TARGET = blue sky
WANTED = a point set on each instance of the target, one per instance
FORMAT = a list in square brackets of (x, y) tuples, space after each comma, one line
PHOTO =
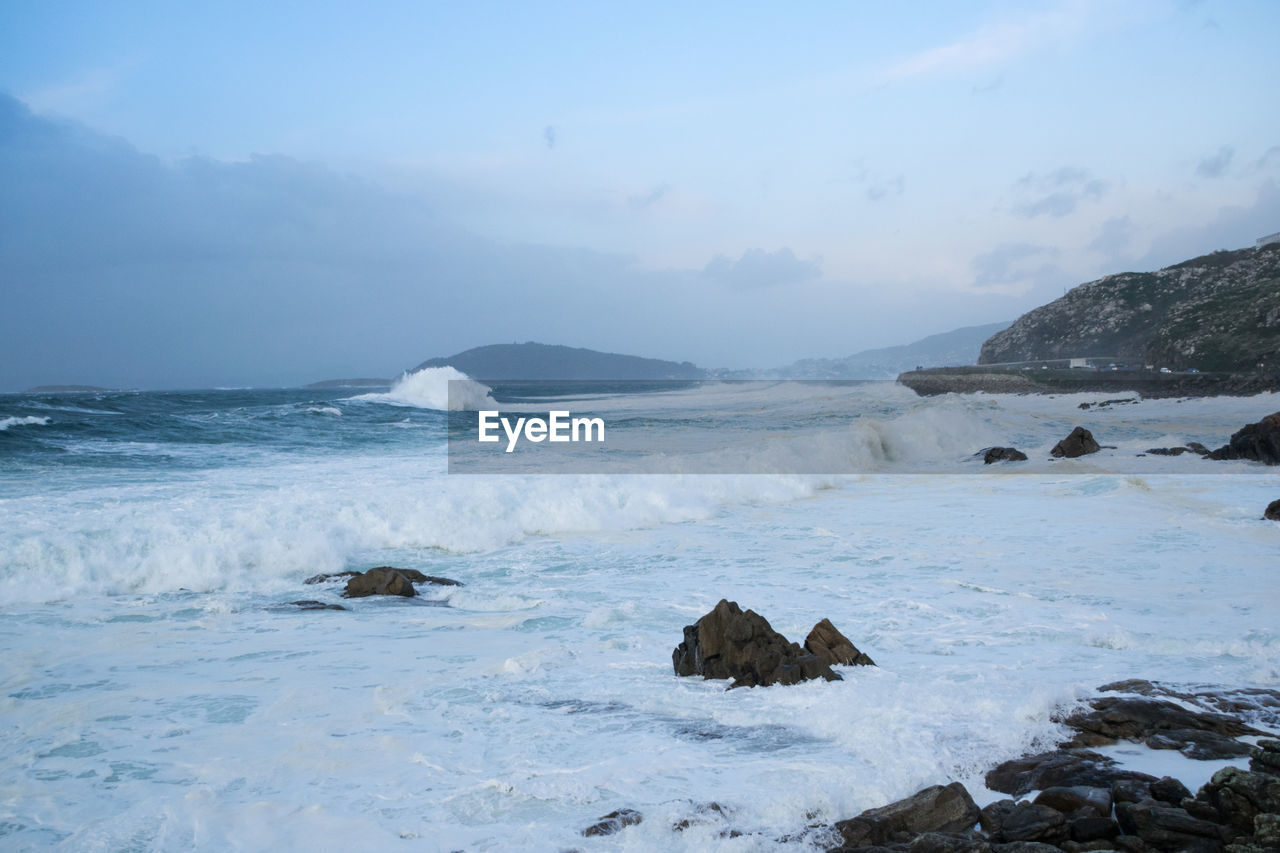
[(735, 184)]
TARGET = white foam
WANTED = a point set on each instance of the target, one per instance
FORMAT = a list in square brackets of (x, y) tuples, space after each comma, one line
[(6, 423), (430, 388)]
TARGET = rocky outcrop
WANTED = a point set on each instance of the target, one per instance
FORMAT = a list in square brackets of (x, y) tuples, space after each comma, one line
[(1002, 454), (1258, 442), (741, 645), (1059, 768), (1219, 312), (614, 821), (941, 808), (833, 648), (1272, 511), (1079, 443)]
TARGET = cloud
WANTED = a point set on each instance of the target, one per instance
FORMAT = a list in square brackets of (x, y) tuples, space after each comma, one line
[(549, 136), (1057, 193), (760, 269), (1233, 227), (1114, 237), (1269, 157), (1216, 165), (1014, 264), (640, 202)]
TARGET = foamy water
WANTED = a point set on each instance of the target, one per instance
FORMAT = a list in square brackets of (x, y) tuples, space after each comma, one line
[(154, 694)]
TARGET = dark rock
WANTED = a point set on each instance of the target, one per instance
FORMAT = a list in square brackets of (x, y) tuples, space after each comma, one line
[(1130, 718), (1092, 828), (991, 816), (418, 577), (380, 581), (1266, 831), (1002, 454), (1259, 442), (1030, 822), (1070, 800), (1200, 745), (1079, 443), (1130, 790), (334, 576), (1130, 844), (1025, 847), (939, 808), (1169, 829), (308, 604), (1239, 796), (1168, 451), (1267, 758), (1058, 768), (1272, 512), (614, 822), (1169, 790), (831, 647), (730, 643), (1197, 447), (948, 842)]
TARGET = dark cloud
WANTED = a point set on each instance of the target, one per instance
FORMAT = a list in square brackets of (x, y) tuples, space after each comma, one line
[(759, 269), (549, 136), (640, 202), (1014, 263), (1057, 193), (1216, 165)]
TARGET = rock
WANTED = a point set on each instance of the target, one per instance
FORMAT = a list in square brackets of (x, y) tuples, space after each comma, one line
[(1202, 746), (730, 643), (1130, 718), (939, 808), (1267, 758), (1239, 796), (614, 822), (309, 604), (1272, 512), (1025, 847), (948, 842), (1258, 442), (418, 577), (380, 581), (1079, 443), (1168, 451), (1266, 831), (1058, 768), (1169, 829), (1197, 447), (1167, 789), (1070, 800), (1002, 454), (832, 648), (1130, 790), (334, 576), (1030, 822), (1093, 828)]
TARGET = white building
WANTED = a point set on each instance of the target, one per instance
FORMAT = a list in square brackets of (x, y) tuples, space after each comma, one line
[(1270, 238)]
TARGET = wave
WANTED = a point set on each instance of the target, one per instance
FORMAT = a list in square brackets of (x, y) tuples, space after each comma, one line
[(430, 388), (5, 423)]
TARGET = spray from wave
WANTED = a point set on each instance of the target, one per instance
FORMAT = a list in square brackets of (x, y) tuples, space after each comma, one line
[(5, 423), (430, 388)]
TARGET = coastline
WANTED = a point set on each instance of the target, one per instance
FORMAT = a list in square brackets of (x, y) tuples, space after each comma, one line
[(974, 379)]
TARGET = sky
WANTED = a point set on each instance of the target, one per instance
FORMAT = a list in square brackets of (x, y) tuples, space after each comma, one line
[(232, 194)]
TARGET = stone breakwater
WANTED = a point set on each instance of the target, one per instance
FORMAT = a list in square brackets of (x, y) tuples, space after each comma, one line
[(971, 380)]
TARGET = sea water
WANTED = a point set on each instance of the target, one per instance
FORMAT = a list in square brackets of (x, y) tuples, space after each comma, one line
[(159, 692)]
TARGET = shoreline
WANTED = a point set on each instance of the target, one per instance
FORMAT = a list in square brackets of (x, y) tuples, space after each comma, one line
[(970, 380)]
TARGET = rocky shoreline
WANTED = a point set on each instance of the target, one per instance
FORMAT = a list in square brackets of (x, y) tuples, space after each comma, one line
[(972, 380)]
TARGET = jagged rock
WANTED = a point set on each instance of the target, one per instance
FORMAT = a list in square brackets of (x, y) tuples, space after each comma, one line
[(380, 581), (1131, 718), (1130, 790), (329, 577), (1079, 443), (832, 647), (1200, 745), (1167, 451), (1167, 789), (1197, 447), (1272, 512), (418, 577), (1093, 828), (948, 842), (1058, 768), (1171, 829), (309, 604), (731, 643), (1026, 822), (1239, 796), (1002, 454), (1266, 831), (1267, 758), (1259, 442), (1070, 800), (614, 822), (938, 808)]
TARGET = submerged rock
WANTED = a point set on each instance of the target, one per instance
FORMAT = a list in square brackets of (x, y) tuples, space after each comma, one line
[(1272, 511), (1079, 443), (741, 645), (1002, 454), (1258, 442), (1060, 768), (329, 577), (940, 808), (614, 822), (1133, 718), (380, 581)]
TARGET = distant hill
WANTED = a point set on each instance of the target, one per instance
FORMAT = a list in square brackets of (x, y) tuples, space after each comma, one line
[(548, 362), (66, 389), (1218, 312), (956, 347)]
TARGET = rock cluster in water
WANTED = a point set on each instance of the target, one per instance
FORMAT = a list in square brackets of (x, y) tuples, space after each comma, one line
[(1259, 442), (741, 645)]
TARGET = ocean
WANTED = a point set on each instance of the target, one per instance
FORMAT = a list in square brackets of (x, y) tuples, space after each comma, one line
[(158, 691)]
